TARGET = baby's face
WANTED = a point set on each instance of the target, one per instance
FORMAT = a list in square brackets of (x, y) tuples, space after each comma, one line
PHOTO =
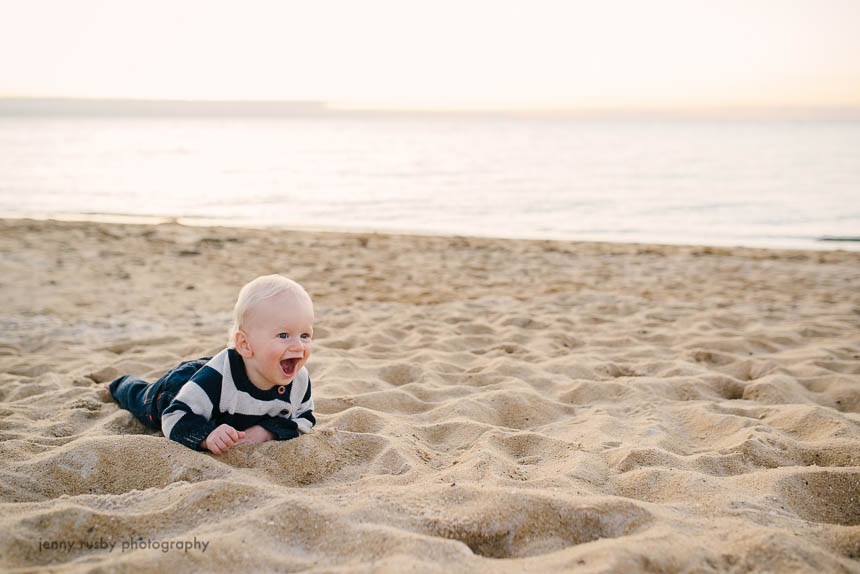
[(278, 331)]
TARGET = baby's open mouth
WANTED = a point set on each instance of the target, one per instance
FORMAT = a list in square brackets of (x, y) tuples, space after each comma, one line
[(288, 366)]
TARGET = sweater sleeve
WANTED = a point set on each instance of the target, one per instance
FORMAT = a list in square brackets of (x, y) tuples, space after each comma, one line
[(282, 427), (188, 418)]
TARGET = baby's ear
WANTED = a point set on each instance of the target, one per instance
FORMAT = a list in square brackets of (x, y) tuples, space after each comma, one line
[(243, 345)]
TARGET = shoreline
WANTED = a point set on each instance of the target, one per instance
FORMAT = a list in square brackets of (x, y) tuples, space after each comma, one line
[(822, 243)]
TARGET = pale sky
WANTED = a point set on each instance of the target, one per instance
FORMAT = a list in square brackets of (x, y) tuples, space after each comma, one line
[(438, 53)]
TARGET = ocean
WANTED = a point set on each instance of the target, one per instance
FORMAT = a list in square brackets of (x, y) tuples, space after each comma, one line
[(788, 183)]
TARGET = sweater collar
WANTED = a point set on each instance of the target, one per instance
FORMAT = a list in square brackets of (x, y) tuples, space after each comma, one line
[(243, 383)]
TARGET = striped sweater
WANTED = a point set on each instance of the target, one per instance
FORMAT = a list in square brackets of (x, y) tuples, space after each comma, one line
[(220, 392)]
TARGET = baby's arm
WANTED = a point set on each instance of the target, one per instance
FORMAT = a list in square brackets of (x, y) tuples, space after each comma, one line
[(188, 418)]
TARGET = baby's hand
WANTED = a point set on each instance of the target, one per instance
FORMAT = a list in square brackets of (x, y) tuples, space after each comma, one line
[(222, 438), (256, 434)]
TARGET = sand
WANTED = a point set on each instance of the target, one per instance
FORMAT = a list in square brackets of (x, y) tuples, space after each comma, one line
[(483, 405)]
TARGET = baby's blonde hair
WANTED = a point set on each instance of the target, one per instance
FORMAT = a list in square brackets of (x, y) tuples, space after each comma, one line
[(260, 289)]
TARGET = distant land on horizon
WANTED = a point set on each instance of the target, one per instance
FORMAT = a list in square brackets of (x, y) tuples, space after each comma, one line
[(118, 107), (156, 108)]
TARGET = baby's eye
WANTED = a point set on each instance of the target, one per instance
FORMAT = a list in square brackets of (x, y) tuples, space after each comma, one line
[(306, 336), (282, 335)]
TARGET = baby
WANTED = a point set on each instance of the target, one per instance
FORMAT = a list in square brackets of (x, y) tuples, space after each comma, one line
[(255, 390)]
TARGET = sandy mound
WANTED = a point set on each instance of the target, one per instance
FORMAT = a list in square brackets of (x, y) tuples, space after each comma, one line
[(482, 404)]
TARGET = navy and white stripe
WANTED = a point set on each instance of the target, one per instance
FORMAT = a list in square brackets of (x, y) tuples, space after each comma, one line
[(220, 392)]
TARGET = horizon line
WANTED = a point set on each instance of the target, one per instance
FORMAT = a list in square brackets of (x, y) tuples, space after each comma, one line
[(115, 106)]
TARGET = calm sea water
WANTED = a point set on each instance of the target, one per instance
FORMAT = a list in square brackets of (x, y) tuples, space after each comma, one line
[(774, 182)]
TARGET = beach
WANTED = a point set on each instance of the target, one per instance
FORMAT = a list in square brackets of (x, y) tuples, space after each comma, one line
[(483, 405)]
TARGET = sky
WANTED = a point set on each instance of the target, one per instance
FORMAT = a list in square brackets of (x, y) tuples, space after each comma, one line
[(439, 53)]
